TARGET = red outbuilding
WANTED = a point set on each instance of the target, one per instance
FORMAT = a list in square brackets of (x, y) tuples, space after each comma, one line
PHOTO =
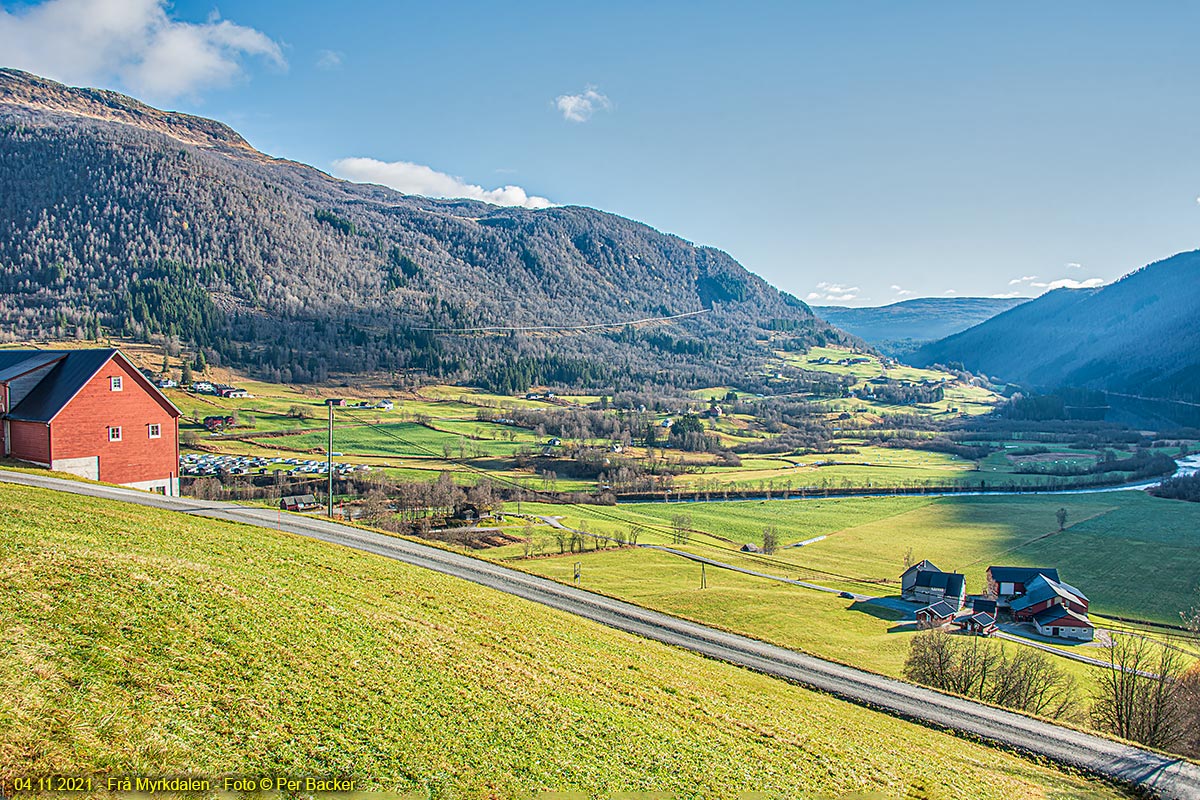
[(90, 413)]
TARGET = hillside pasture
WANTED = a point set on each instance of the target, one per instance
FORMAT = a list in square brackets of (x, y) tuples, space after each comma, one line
[(141, 641)]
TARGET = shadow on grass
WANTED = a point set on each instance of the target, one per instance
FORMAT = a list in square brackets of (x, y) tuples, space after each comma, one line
[(876, 610)]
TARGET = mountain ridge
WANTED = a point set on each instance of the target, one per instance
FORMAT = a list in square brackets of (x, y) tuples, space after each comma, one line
[(900, 327), (1137, 335), (117, 216)]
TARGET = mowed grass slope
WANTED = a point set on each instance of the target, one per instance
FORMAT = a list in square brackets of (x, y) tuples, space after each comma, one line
[(145, 641)]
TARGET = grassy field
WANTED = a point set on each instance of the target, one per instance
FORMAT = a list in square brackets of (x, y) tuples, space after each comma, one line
[(1134, 555), (857, 633), (147, 642)]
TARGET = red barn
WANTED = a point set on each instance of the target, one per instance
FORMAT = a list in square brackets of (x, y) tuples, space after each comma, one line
[(90, 413)]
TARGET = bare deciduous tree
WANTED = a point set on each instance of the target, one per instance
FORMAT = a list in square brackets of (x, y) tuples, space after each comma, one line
[(1026, 679), (770, 539), (681, 528), (1139, 696)]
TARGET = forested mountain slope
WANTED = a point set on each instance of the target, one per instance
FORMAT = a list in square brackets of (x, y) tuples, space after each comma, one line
[(116, 216), (901, 327), (1140, 336)]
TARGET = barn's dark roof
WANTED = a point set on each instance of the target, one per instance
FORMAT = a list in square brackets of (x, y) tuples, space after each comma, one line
[(921, 566), (15, 363), (982, 605), (1021, 574), (74, 369), (951, 582), (1042, 588)]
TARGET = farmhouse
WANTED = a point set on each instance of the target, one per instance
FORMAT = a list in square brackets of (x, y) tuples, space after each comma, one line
[(89, 413), (923, 582), (1006, 583), (1043, 593), (1062, 622), (936, 615), (932, 587)]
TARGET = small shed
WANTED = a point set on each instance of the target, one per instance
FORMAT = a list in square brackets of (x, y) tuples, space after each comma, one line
[(937, 615), (299, 502), (980, 624), (750, 547)]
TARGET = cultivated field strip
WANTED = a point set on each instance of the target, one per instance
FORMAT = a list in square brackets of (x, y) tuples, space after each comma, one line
[(1155, 774)]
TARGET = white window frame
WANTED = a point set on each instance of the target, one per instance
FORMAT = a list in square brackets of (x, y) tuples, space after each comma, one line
[(116, 384), (154, 429), (114, 433)]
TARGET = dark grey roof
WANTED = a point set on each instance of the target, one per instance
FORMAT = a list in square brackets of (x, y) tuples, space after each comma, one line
[(921, 566), (74, 369), (982, 606), (1042, 588), (950, 582), (940, 609), (1021, 574), (60, 384), (15, 363)]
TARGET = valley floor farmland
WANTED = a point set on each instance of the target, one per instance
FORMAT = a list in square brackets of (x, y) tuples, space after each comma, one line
[(140, 640), (1134, 555)]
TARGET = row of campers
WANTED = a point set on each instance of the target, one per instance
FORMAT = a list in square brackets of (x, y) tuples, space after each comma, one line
[(1034, 595)]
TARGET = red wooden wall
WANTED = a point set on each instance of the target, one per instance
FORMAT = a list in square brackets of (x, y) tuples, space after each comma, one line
[(81, 429)]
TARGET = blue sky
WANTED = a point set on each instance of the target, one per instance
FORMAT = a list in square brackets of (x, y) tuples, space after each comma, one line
[(851, 153)]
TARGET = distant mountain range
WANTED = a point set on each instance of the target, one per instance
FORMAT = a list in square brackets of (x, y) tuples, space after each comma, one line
[(899, 328), (1138, 336), (118, 217)]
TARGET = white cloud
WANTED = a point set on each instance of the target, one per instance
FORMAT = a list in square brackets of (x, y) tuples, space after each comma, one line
[(1024, 279), (581, 107), (900, 292), (1070, 283), (329, 59), (134, 42), (834, 292), (404, 176), (949, 292), (1006, 295), (1074, 265)]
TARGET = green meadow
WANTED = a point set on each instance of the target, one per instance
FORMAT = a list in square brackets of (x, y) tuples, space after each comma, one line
[(140, 641), (1134, 555)]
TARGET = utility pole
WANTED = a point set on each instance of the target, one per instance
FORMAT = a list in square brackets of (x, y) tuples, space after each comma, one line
[(703, 579), (329, 458)]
